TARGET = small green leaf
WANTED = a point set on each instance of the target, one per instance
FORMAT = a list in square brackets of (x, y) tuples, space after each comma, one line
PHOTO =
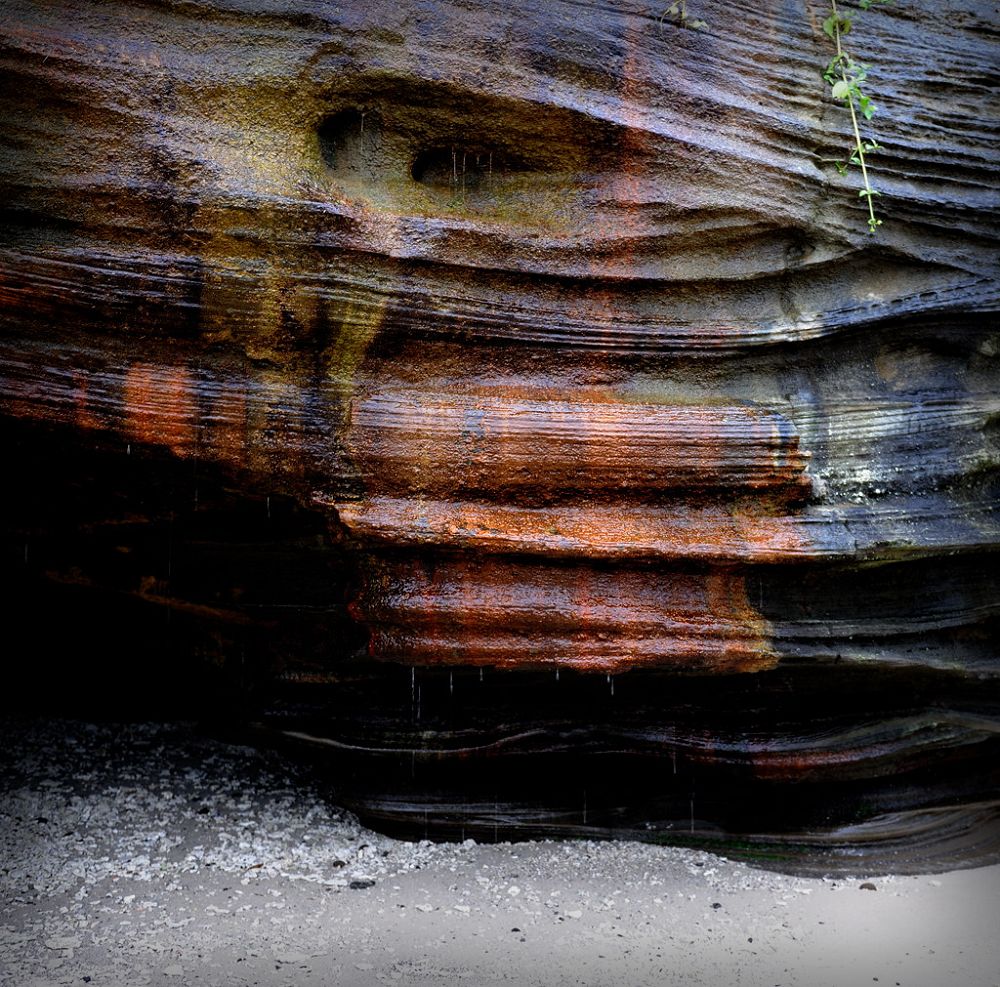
[(830, 27), (842, 89)]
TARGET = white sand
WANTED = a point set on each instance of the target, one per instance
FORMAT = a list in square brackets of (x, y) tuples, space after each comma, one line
[(147, 855)]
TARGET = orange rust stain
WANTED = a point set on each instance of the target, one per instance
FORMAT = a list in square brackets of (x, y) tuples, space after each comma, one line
[(813, 762), (161, 406), (635, 146), (729, 604), (87, 413), (516, 614), (591, 531), (609, 306), (445, 445), (12, 292)]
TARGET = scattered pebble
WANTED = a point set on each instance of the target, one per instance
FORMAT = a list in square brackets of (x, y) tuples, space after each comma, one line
[(63, 942), (290, 956)]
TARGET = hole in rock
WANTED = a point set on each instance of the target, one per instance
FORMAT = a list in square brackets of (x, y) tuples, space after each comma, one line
[(350, 141)]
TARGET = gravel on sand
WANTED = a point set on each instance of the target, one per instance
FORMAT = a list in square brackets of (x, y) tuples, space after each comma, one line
[(146, 853)]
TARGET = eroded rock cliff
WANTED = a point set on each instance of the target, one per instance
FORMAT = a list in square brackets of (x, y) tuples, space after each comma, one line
[(559, 345)]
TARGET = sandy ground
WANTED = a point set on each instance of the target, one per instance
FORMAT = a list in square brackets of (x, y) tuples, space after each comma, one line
[(146, 854)]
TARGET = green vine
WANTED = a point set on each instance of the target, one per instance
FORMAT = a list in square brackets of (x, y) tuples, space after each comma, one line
[(845, 76)]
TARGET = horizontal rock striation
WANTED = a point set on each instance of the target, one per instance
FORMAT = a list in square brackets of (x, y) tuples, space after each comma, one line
[(560, 345)]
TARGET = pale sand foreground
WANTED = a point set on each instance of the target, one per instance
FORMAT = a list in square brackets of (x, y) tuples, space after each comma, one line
[(145, 854)]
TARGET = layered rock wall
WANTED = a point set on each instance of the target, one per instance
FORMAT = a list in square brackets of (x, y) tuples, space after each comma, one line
[(558, 316)]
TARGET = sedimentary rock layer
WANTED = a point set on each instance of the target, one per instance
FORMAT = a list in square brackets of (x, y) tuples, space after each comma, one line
[(557, 325)]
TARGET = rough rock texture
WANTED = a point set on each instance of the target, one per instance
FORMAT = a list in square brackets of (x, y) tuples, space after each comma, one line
[(557, 343)]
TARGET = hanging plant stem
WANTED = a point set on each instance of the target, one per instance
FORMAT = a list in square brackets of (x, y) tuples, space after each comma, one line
[(845, 77)]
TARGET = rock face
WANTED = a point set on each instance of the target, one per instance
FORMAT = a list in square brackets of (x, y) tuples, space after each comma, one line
[(397, 344)]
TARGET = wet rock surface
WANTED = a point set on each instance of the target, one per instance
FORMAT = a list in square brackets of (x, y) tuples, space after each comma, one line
[(211, 603), (523, 298), (376, 347)]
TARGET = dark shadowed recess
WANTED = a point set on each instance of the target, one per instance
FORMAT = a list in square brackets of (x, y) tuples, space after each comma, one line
[(147, 587)]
